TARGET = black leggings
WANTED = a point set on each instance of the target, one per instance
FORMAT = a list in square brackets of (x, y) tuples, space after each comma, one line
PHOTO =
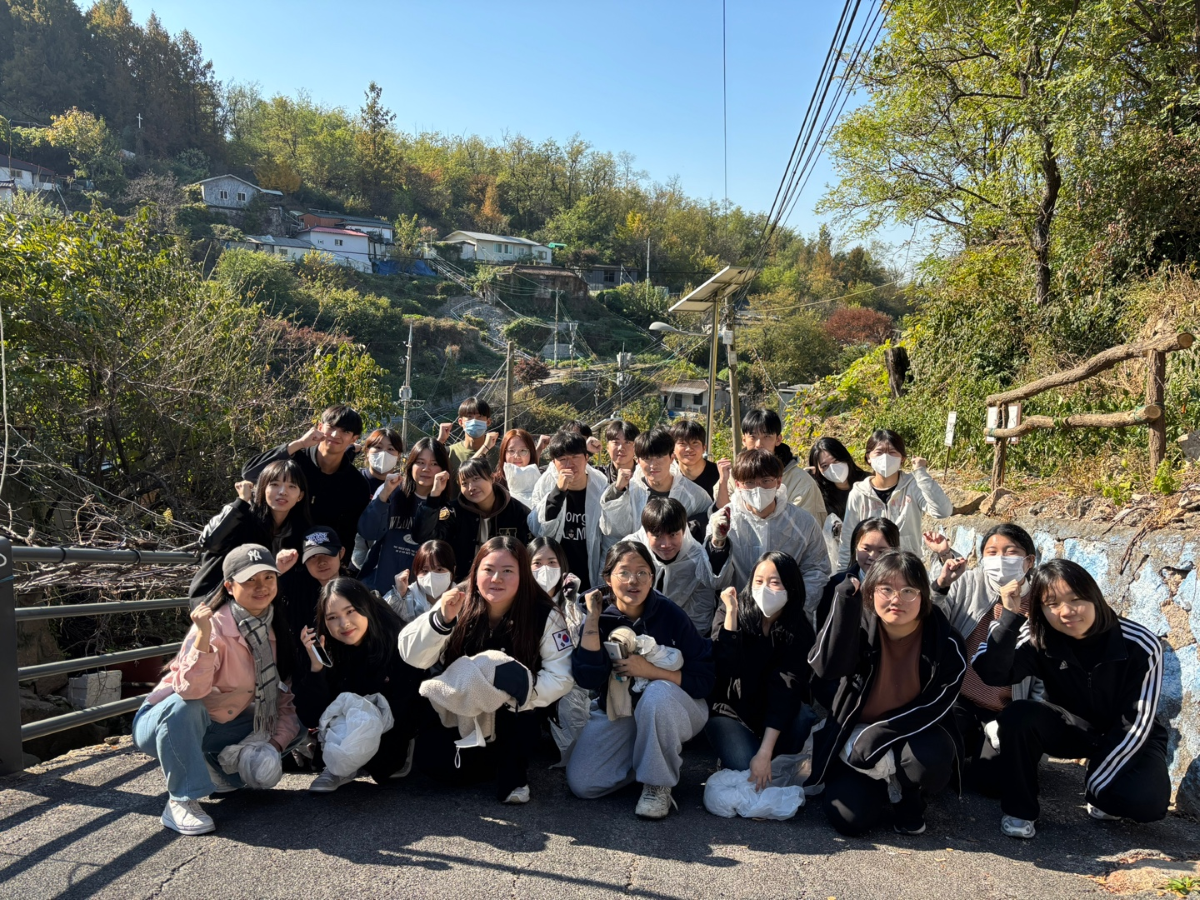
[(506, 759), (1140, 789), (982, 762), (855, 803)]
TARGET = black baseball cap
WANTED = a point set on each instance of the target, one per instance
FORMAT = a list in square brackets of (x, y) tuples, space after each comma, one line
[(244, 562), (320, 541)]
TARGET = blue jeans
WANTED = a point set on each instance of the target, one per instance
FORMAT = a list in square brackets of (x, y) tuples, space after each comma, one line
[(182, 736), (736, 744)]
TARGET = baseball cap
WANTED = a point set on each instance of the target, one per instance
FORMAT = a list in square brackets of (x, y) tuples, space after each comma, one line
[(320, 542), (244, 562)]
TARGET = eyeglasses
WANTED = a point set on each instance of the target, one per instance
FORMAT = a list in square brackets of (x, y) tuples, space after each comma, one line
[(630, 577), (908, 594)]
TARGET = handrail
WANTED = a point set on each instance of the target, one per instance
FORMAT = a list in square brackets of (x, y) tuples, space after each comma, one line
[(62, 667), (12, 733)]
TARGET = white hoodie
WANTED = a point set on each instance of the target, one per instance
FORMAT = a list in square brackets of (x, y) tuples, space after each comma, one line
[(687, 580), (914, 494), (788, 529), (623, 513)]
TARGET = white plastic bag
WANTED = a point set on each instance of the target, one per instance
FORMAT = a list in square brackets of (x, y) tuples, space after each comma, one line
[(350, 729), (574, 707), (257, 762), (729, 793)]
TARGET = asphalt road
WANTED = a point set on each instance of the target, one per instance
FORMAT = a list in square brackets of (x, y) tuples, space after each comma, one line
[(86, 825)]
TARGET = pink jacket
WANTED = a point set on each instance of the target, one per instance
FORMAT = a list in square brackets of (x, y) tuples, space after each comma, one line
[(224, 677)]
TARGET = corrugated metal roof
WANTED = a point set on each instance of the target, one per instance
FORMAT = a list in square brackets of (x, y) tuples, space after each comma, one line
[(484, 236), (279, 241)]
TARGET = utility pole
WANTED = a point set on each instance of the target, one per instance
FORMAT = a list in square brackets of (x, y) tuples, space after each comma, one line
[(508, 386), (713, 357), (735, 403), (647, 263), (556, 328), (406, 391)]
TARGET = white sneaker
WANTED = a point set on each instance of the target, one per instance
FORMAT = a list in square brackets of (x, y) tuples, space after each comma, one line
[(518, 795), (1097, 813), (186, 817), (407, 767), (1017, 828), (656, 801), (221, 784), (327, 782)]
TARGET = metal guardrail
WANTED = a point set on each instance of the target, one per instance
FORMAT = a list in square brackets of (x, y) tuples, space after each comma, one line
[(12, 732)]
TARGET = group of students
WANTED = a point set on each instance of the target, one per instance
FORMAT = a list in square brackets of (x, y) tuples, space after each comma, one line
[(447, 607)]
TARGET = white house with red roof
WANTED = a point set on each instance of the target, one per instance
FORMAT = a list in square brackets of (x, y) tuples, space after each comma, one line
[(349, 248)]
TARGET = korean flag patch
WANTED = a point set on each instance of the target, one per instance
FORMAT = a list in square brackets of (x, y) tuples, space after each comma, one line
[(562, 640)]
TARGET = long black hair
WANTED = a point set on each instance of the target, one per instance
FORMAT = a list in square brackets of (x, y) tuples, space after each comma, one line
[(838, 451), (299, 518), (471, 628), (383, 625), (556, 548), (792, 621), (408, 486), (1081, 584)]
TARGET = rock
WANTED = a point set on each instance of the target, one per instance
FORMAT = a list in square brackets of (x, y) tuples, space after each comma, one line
[(992, 503), (113, 740), (1148, 875), (1190, 445), (966, 503)]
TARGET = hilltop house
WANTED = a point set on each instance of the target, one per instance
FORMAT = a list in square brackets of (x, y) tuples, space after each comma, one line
[(381, 232), (25, 175), (231, 197), (291, 249), (341, 245), (690, 398), (495, 248)]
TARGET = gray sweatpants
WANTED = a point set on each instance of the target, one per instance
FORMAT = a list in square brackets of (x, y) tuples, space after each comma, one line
[(646, 747)]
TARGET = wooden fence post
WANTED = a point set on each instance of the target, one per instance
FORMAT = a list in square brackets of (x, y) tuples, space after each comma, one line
[(1156, 381), (1001, 454)]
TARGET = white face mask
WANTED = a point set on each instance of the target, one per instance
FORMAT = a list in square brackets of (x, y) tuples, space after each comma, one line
[(836, 472), (758, 498), (434, 584), (769, 600), (886, 464), (381, 460), (521, 479), (547, 577), (1002, 570)]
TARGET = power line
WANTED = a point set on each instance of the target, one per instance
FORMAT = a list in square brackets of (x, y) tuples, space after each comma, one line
[(725, 104)]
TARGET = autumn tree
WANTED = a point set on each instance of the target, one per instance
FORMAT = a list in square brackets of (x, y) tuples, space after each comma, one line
[(859, 325)]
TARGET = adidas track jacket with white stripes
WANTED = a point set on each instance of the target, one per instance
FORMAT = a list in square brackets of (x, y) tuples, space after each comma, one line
[(1118, 695)]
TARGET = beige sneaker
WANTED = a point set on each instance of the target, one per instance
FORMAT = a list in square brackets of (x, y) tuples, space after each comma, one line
[(518, 795), (186, 817), (656, 801)]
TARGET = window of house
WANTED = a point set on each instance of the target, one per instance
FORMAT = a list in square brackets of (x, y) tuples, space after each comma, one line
[(679, 401), (224, 195), (610, 277), (698, 400), (337, 242), (241, 196), (498, 246)]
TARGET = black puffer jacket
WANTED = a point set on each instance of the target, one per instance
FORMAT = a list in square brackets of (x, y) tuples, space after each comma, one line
[(847, 653), (233, 526)]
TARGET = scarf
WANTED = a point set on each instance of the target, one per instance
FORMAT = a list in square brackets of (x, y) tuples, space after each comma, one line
[(256, 631)]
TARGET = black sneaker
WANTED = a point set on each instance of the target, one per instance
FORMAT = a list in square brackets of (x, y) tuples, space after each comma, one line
[(908, 816)]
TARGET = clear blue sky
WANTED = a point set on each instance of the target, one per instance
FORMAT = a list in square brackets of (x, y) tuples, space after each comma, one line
[(638, 76)]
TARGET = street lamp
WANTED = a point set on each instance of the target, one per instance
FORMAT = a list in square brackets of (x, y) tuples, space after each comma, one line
[(664, 328)]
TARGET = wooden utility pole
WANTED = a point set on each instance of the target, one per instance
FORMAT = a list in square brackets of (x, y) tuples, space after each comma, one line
[(735, 401), (508, 386), (713, 360)]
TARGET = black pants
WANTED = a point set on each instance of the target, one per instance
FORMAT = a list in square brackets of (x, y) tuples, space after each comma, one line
[(506, 759), (392, 753), (982, 762), (1140, 789), (855, 803)]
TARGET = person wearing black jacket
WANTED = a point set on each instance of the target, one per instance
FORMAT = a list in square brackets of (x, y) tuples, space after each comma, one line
[(482, 510), (358, 632), (646, 746), (891, 733), (337, 493), (761, 653), (271, 513), (1102, 676)]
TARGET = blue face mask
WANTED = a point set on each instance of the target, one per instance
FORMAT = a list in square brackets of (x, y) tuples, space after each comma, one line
[(475, 428)]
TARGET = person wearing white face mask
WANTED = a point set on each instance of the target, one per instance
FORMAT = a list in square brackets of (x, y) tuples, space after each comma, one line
[(836, 472), (384, 448), (416, 589), (759, 519), (760, 703), (971, 600), (892, 494)]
